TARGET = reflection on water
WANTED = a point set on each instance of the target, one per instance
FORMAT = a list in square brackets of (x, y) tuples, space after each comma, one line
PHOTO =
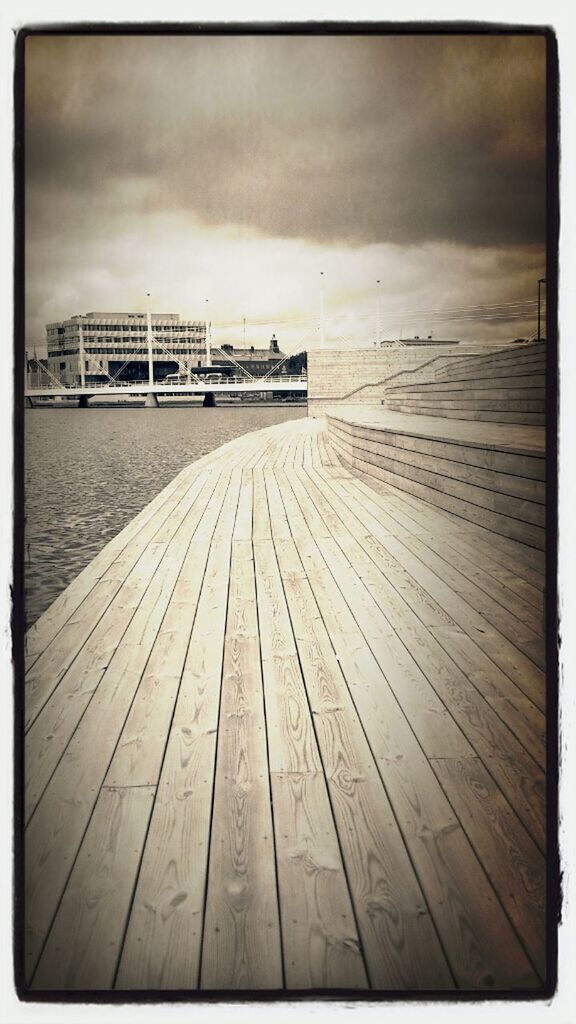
[(89, 471)]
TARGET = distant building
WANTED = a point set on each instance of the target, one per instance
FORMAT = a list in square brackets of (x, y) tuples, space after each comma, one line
[(115, 344), (257, 361), (416, 340)]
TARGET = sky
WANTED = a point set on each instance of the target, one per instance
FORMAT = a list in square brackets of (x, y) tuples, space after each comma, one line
[(397, 180)]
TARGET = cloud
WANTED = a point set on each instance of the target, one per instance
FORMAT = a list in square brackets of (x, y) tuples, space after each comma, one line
[(184, 262), (353, 140), (239, 164)]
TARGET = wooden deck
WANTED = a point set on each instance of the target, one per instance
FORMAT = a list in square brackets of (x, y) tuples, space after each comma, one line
[(286, 731)]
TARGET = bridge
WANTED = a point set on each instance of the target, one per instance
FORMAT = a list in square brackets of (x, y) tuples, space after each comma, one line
[(150, 391)]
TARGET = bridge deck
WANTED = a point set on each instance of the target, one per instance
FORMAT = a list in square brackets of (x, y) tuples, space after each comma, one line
[(282, 733)]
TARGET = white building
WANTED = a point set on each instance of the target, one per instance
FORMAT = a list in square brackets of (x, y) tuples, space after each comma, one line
[(115, 345)]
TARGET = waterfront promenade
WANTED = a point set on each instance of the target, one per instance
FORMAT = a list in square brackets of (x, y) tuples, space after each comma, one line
[(286, 731)]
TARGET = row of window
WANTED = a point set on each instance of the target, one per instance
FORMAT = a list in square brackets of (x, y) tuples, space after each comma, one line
[(198, 328), (124, 352), (193, 343), (169, 342)]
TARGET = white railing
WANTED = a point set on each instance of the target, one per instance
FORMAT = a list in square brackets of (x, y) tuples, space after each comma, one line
[(252, 384)]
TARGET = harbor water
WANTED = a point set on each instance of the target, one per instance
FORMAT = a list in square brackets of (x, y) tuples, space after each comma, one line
[(88, 472)]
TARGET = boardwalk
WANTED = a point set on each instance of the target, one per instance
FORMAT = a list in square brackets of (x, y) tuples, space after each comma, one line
[(283, 733)]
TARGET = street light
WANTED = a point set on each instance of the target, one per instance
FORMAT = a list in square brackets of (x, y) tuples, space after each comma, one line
[(208, 347), (149, 341), (379, 314), (541, 281), (322, 327)]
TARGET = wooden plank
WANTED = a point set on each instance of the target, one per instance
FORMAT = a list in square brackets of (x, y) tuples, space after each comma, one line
[(468, 512), (429, 611), (436, 440), (384, 891), (84, 943), (448, 865), (138, 756), (520, 439), (515, 356), (493, 400), (484, 952), (380, 544), (445, 864), (148, 550), (291, 741), (328, 455), (260, 518), (53, 664), (429, 718), (51, 622), (475, 415), (320, 941), (498, 513), (496, 592), (437, 386), (524, 717), (102, 566), (51, 731), (510, 858), (526, 562), (440, 532), (473, 368), (525, 488), (459, 458), (444, 595), (503, 647), (459, 549), (372, 864), (242, 946), (57, 826), (514, 769), (522, 599), (493, 610), (163, 940)]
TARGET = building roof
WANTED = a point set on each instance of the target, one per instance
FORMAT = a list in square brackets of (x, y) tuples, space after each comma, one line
[(247, 354)]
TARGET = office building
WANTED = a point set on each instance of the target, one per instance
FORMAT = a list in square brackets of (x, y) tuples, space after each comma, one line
[(115, 345)]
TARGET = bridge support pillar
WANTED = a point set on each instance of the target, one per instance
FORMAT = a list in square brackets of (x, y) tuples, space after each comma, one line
[(83, 401), (28, 402), (209, 400), (151, 401)]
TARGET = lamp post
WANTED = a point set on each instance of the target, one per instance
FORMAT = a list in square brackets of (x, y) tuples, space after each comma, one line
[(208, 347), (149, 341), (541, 281), (81, 355), (322, 329), (378, 324)]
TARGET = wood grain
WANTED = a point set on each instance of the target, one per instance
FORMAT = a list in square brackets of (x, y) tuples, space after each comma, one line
[(287, 731), (242, 948), (85, 940)]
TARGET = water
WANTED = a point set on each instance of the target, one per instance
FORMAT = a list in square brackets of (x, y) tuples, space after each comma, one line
[(88, 472)]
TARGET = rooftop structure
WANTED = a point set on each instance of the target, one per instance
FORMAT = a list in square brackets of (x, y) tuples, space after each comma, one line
[(417, 340), (255, 360)]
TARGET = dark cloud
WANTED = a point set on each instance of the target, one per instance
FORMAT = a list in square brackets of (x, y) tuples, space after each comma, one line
[(345, 140)]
